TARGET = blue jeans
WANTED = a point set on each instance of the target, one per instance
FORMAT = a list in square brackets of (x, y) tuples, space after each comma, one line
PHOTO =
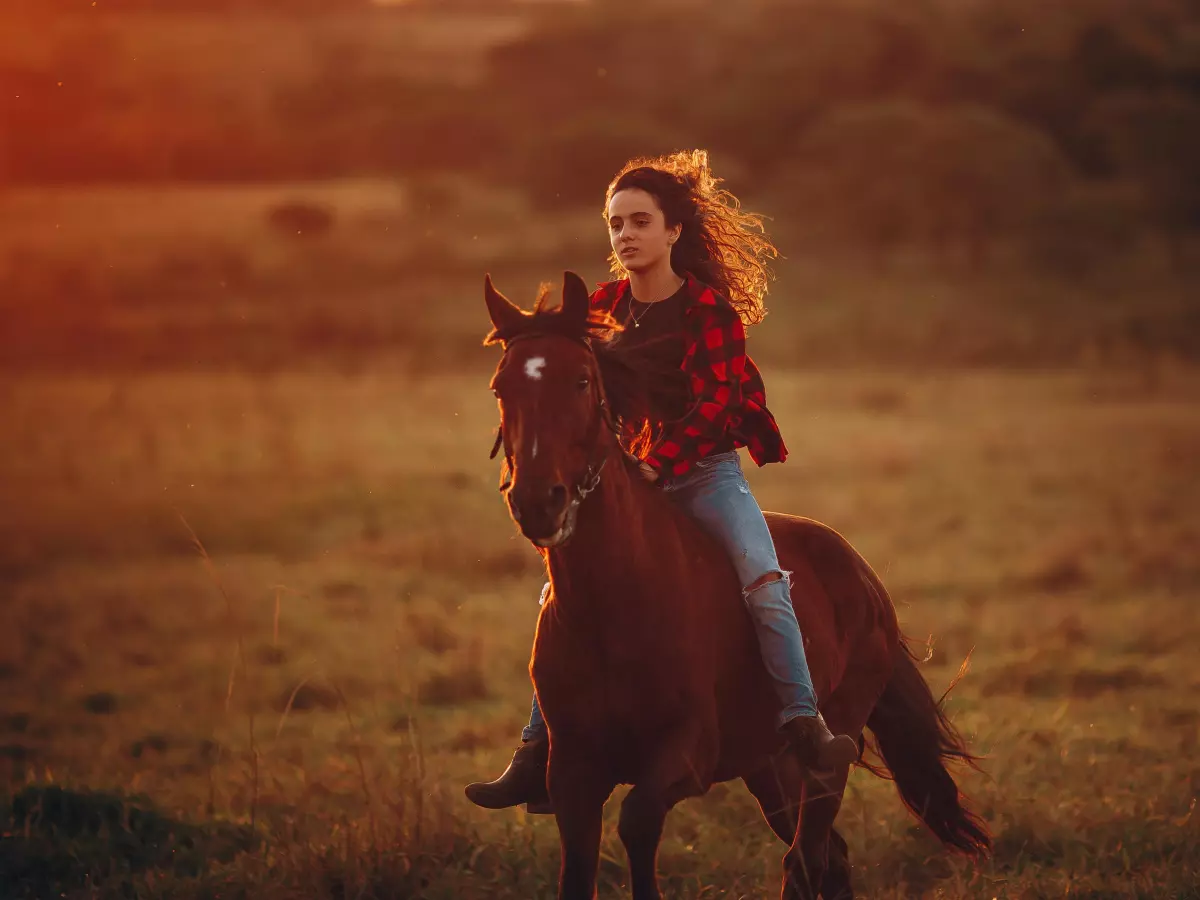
[(716, 494)]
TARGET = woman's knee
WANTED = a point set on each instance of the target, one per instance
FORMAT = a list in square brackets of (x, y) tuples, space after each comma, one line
[(766, 578), (769, 589)]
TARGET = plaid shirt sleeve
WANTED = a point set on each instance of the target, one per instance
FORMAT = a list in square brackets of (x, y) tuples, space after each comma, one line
[(715, 361), (605, 297)]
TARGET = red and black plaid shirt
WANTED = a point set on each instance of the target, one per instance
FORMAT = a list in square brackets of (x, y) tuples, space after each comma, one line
[(728, 395)]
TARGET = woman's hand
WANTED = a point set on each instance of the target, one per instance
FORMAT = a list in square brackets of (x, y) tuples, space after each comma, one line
[(646, 470)]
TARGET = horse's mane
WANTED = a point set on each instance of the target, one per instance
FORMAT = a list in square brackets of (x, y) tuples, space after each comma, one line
[(636, 383)]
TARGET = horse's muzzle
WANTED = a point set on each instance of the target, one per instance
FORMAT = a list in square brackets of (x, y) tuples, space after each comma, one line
[(541, 513)]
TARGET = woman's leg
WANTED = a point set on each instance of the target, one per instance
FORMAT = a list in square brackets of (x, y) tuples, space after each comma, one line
[(524, 781), (719, 497), (536, 729)]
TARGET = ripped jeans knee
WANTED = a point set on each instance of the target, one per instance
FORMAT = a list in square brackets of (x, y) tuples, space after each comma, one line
[(769, 601), (753, 593)]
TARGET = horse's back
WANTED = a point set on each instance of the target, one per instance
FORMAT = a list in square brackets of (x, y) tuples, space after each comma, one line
[(815, 539), (840, 602), (806, 544)]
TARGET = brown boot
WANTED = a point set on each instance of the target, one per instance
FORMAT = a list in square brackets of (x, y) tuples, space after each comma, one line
[(816, 746), (524, 781)]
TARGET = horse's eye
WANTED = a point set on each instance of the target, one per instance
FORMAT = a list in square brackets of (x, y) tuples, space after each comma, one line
[(583, 383)]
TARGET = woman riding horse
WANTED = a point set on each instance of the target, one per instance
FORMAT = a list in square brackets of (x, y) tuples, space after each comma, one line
[(694, 274), (647, 670)]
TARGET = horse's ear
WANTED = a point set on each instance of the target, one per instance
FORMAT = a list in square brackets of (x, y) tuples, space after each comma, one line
[(500, 309), (576, 301)]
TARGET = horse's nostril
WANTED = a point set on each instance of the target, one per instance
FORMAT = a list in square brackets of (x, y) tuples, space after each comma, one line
[(558, 497)]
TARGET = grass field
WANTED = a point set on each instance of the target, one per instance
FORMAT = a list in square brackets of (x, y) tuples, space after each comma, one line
[(263, 614), (203, 277), (295, 715)]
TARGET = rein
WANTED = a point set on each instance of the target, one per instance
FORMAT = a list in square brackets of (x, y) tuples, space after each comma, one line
[(591, 477)]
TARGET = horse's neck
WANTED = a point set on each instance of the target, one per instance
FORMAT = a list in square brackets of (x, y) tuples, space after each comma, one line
[(598, 573)]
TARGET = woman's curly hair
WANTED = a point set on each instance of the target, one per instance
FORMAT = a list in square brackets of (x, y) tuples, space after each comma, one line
[(720, 245)]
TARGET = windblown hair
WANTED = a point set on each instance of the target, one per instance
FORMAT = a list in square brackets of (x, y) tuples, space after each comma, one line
[(635, 382), (719, 244)]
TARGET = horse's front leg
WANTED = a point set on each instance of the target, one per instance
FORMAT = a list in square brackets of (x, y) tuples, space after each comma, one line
[(578, 791), (682, 768), (807, 864)]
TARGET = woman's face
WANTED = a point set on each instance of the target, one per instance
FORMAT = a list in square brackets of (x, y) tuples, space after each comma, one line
[(638, 230)]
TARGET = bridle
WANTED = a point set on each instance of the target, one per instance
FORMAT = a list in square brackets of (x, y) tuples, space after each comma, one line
[(591, 476)]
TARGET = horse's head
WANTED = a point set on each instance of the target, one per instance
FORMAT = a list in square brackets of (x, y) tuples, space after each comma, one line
[(553, 410)]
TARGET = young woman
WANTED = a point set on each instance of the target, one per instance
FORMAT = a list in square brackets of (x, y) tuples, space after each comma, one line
[(692, 272)]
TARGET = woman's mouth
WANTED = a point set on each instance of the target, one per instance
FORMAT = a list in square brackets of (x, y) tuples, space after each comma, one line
[(628, 251)]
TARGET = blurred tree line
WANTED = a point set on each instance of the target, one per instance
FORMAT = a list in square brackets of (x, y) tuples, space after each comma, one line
[(957, 125)]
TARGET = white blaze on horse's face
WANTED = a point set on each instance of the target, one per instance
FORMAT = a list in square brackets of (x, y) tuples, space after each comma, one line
[(533, 371), (534, 366)]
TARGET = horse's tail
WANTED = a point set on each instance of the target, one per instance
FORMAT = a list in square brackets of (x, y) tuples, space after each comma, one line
[(916, 739)]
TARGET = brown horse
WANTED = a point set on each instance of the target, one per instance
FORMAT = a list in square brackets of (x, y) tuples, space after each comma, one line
[(645, 662)]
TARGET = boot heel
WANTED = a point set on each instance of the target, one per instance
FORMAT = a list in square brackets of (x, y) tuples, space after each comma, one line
[(842, 751)]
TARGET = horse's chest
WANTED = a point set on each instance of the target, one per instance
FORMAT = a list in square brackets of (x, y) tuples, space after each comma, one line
[(616, 691)]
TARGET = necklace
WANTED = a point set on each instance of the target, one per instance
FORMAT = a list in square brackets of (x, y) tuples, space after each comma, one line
[(636, 319)]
